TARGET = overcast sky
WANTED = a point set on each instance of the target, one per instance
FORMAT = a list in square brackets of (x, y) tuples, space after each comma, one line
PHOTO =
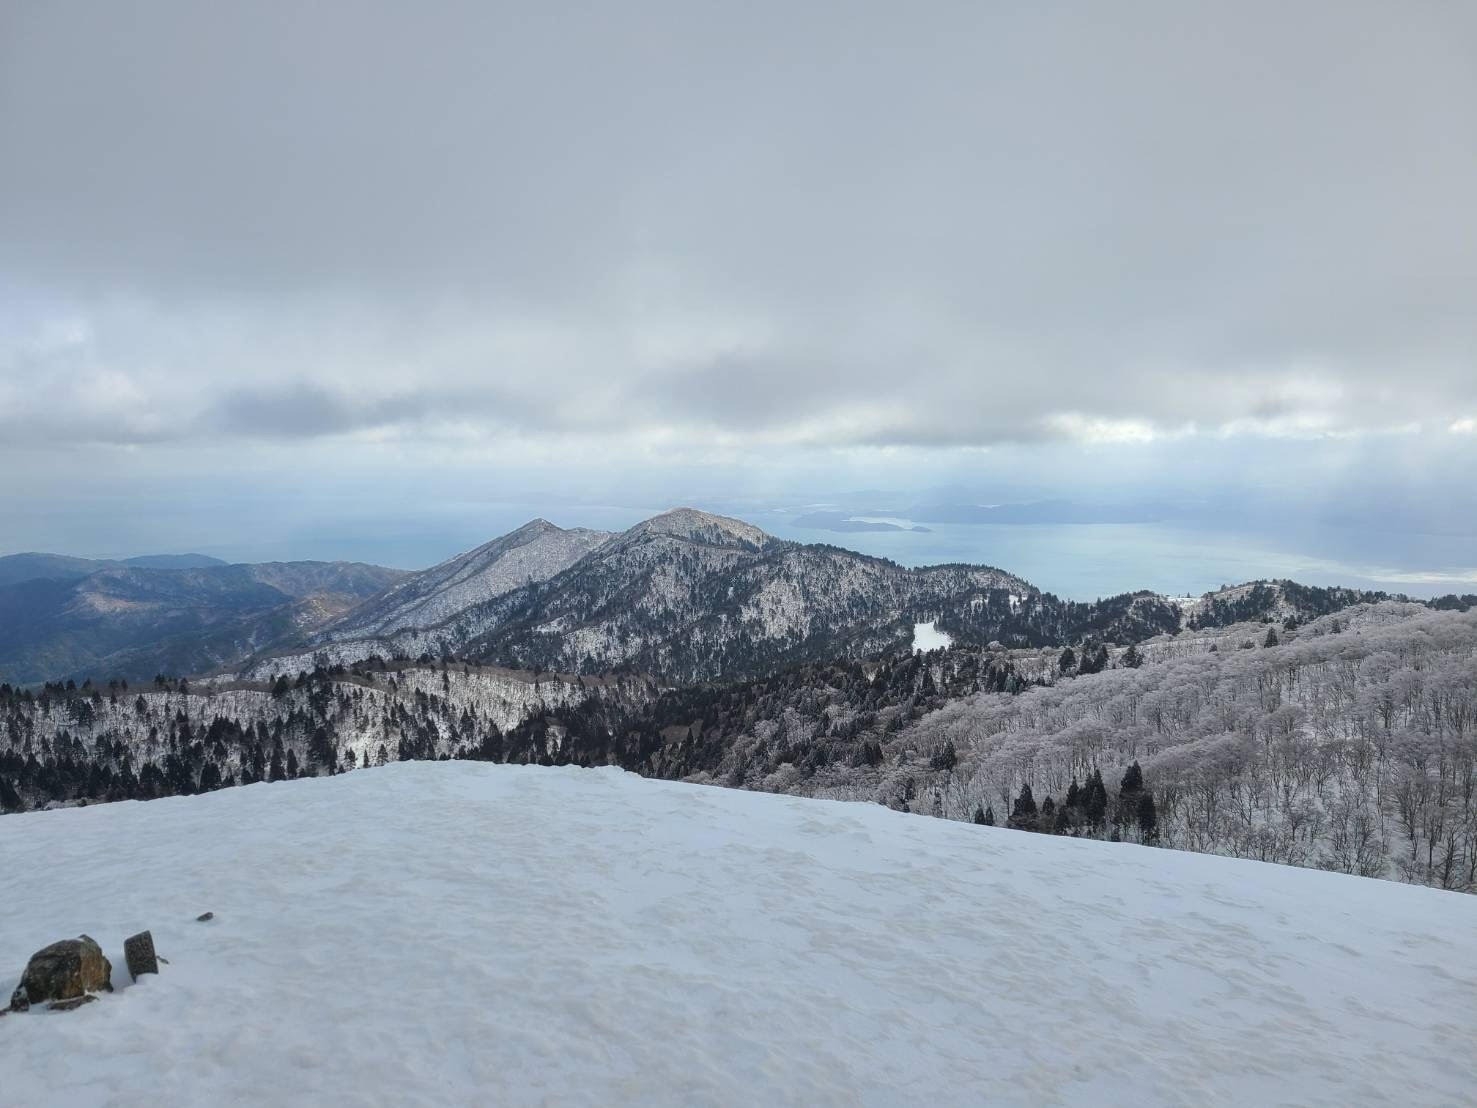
[(357, 261)]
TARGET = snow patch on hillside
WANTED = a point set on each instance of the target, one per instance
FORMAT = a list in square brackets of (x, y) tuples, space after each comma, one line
[(927, 636), (432, 933)]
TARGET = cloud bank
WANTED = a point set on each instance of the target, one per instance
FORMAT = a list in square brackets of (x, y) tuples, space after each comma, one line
[(843, 225)]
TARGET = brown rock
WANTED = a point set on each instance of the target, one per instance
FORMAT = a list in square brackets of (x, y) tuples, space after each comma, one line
[(138, 950), (66, 970)]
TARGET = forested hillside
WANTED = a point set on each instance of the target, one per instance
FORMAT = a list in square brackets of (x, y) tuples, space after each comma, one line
[(69, 743), (1349, 743)]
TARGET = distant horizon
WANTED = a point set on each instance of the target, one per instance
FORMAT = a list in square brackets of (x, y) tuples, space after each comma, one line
[(1042, 553)]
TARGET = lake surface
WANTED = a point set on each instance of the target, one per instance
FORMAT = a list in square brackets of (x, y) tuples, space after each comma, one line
[(1088, 561)]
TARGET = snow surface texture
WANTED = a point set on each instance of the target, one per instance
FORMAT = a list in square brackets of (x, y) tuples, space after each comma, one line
[(926, 637), (433, 933)]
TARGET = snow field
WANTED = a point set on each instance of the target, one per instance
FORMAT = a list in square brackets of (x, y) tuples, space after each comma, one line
[(433, 933)]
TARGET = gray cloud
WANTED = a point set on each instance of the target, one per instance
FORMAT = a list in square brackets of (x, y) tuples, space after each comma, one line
[(307, 410), (827, 226)]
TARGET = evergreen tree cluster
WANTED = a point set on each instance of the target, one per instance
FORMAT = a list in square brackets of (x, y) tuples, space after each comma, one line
[(1083, 810)]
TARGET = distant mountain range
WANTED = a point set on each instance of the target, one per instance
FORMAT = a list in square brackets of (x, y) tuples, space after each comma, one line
[(15, 568), (685, 596), (134, 622)]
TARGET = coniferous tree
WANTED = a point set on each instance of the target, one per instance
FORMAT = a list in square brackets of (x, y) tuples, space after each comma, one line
[(1046, 821), (1129, 790), (1133, 779), (1095, 803), (1148, 818), (1023, 813)]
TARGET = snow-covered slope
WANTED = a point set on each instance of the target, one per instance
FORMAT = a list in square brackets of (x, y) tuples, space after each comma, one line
[(535, 552), (437, 609), (435, 933)]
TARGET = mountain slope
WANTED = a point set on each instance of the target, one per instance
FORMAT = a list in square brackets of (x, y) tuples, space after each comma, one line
[(535, 552), (458, 933)]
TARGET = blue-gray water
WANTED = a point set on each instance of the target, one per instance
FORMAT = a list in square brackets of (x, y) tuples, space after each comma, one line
[(1086, 561)]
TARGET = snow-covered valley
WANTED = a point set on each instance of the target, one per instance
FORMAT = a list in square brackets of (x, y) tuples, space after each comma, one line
[(432, 933)]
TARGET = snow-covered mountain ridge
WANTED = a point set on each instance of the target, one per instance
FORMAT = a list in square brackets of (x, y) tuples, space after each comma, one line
[(437, 933), (688, 595), (685, 595)]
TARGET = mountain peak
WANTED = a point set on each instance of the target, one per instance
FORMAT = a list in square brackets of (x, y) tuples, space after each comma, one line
[(705, 527), (536, 526)]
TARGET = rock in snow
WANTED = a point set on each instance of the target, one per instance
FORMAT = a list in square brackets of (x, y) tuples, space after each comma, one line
[(138, 951), (65, 970), (616, 940)]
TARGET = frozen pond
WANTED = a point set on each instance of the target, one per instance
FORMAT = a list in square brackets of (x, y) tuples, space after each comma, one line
[(928, 637)]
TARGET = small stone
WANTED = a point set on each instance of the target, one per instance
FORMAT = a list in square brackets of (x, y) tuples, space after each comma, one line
[(20, 1001), (138, 950), (75, 1002), (66, 970), (205, 917)]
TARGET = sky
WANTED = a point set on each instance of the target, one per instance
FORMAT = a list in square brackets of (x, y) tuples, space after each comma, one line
[(366, 280)]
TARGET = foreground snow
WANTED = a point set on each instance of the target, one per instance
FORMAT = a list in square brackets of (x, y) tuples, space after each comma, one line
[(429, 933)]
